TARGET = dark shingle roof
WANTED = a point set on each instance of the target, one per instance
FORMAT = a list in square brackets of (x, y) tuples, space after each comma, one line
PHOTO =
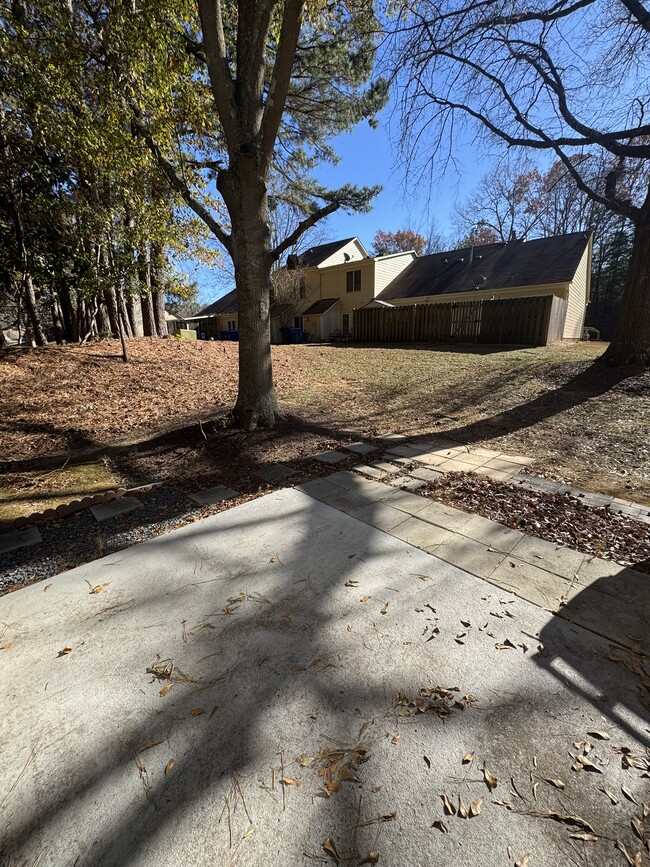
[(493, 266), (226, 304), (315, 255), (321, 306)]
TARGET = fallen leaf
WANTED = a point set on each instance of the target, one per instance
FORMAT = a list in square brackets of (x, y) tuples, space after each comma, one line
[(273, 559), (490, 779), (621, 848), (47, 587), (466, 623), (289, 781), (427, 761), (165, 690), (65, 651), (461, 634), (646, 810), (250, 831), (98, 588), (395, 739), (365, 598), (588, 765), (331, 787), (304, 760), (588, 837), (169, 766), (570, 820), (149, 745), (351, 583), (197, 711), (603, 736), (371, 858), (214, 710), (346, 774), (628, 794), (523, 861), (509, 852), (637, 826), (475, 807), (384, 610), (468, 757), (441, 826), (542, 651), (611, 797), (449, 808), (330, 847), (463, 811), (535, 785), (423, 577), (557, 783), (5, 646)]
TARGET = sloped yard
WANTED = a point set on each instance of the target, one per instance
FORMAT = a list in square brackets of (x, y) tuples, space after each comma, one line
[(581, 423)]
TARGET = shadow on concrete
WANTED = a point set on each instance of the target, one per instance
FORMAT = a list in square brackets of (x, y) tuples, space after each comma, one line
[(243, 670)]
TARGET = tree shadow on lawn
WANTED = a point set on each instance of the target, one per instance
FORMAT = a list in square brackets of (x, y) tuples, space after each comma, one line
[(286, 677)]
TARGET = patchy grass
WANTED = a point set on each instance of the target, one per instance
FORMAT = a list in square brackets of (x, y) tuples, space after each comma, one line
[(580, 422), (27, 492)]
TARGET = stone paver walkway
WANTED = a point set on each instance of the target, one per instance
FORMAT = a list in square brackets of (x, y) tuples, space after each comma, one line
[(548, 575), (116, 507)]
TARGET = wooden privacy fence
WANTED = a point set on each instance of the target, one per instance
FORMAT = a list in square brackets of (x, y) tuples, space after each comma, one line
[(534, 321)]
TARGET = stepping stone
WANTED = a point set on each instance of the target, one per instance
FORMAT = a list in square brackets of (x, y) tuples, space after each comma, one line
[(19, 539), (117, 507), (210, 496), (350, 432), (373, 472), (360, 448), (330, 457), (426, 474), (406, 484), (275, 473), (391, 438)]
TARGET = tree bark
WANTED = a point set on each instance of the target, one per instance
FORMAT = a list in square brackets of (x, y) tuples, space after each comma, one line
[(69, 315), (631, 342), (157, 291), (245, 194), (57, 319), (110, 300), (148, 318), (38, 335)]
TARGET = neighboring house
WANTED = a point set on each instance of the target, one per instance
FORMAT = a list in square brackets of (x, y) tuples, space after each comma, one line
[(560, 266), (321, 288)]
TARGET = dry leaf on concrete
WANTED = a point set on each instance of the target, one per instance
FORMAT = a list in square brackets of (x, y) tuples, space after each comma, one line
[(468, 757), (371, 858), (475, 807), (330, 847), (169, 766), (523, 861), (490, 779), (450, 809), (441, 826)]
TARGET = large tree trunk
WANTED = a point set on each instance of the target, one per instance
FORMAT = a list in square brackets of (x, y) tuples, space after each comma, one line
[(69, 315), (38, 335), (110, 301), (57, 319), (246, 197), (631, 342), (157, 290), (148, 318)]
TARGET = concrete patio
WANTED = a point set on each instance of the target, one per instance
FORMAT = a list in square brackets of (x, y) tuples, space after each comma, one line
[(285, 683)]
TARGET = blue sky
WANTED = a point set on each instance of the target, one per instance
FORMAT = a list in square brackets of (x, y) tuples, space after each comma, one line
[(368, 157)]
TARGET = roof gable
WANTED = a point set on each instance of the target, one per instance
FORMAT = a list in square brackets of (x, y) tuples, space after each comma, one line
[(226, 304), (332, 253), (491, 266)]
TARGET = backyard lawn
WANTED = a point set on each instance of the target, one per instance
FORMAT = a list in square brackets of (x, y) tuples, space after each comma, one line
[(138, 422)]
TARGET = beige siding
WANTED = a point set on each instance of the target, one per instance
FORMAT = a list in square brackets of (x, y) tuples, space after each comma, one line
[(389, 267), (578, 298), (353, 249), (333, 285)]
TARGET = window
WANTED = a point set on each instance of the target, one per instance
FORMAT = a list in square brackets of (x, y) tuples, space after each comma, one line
[(353, 281), (297, 321), (302, 287), (346, 320), (232, 325)]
